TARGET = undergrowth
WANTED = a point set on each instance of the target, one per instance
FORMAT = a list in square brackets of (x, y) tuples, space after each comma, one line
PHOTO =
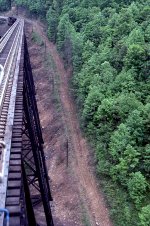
[(37, 38)]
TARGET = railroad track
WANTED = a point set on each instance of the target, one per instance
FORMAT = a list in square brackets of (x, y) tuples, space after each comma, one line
[(10, 55), (7, 36)]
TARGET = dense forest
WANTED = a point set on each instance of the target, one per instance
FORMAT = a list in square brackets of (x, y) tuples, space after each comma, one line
[(5, 5), (107, 43)]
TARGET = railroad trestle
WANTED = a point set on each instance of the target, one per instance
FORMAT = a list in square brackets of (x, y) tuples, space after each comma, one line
[(24, 179)]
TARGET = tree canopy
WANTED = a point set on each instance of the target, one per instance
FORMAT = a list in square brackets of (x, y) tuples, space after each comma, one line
[(108, 45)]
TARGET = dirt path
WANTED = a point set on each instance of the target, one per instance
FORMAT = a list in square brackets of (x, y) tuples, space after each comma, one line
[(80, 183)]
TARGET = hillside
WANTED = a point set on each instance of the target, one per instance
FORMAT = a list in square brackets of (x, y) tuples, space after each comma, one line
[(107, 46)]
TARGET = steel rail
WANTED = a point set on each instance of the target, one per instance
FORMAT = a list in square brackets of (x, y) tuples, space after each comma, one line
[(4, 40), (7, 35), (7, 68), (7, 80), (7, 98), (1, 39)]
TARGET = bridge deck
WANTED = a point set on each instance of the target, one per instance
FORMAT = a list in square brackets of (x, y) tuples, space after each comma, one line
[(13, 196), (11, 104)]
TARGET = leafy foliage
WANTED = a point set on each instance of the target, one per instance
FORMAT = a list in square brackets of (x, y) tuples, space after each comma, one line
[(137, 186), (144, 216), (107, 43)]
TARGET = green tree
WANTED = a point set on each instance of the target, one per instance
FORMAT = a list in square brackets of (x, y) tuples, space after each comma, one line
[(137, 186), (127, 162), (52, 20), (136, 57), (144, 216), (88, 50)]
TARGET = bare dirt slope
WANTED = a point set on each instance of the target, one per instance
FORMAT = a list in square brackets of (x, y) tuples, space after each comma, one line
[(77, 199)]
